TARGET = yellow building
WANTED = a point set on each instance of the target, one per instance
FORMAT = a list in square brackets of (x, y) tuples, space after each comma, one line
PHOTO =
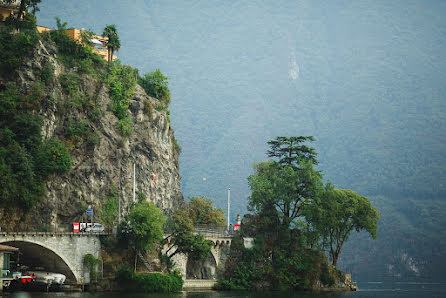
[(42, 29), (8, 9), (99, 43)]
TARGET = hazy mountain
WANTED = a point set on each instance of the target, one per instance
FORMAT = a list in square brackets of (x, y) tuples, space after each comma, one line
[(366, 78)]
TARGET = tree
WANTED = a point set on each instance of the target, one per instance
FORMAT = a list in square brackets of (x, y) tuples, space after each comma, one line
[(113, 43), (183, 240), (288, 184), (201, 211), (143, 228), (289, 151), (156, 84), (337, 213), (24, 6), (285, 188)]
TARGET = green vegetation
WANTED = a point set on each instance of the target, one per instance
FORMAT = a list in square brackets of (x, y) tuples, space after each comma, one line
[(149, 282), (336, 213), (142, 228), (92, 263), (121, 82), (113, 43), (26, 160), (201, 211), (23, 7), (180, 233), (295, 218), (76, 55), (180, 225), (16, 46), (156, 85), (109, 209)]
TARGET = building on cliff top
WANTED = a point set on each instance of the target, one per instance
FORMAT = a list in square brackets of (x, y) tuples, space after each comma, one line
[(98, 43)]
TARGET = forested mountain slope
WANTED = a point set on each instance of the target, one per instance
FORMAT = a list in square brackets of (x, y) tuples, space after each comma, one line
[(366, 78)]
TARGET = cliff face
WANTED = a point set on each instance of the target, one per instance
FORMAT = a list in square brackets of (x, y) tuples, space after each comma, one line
[(103, 160)]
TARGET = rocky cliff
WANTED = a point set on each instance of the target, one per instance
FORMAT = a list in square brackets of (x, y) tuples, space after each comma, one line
[(102, 158)]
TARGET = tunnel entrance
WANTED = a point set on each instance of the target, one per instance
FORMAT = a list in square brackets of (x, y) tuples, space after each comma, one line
[(33, 256), (201, 269)]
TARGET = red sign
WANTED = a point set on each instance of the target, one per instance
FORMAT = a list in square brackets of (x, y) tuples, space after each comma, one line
[(236, 228), (75, 227)]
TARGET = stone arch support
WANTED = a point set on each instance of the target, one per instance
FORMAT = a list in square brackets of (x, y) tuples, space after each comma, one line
[(64, 252)]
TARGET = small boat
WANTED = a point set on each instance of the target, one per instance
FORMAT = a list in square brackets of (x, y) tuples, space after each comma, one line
[(45, 277)]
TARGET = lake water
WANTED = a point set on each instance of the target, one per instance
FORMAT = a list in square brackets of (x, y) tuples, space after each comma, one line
[(403, 289)]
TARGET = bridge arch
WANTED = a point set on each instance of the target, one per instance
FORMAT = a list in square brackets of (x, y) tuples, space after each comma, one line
[(202, 269), (34, 253)]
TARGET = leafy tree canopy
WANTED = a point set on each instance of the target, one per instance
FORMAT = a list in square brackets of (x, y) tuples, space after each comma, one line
[(180, 226), (156, 85), (144, 226), (285, 188), (337, 213), (290, 151), (113, 44), (201, 211)]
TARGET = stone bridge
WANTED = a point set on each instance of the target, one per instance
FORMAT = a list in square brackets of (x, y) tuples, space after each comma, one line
[(61, 252), (64, 252)]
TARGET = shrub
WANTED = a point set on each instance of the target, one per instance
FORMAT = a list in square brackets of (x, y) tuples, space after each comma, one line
[(8, 100), (121, 82), (92, 262), (150, 282), (325, 276), (53, 157), (47, 73), (148, 108), (109, 209), (70, 82), (20, 186), (93, 138), (77, 131), (94, 113), (15, 46), (156, 85), (74, 54), (125, 126), (27, 128)]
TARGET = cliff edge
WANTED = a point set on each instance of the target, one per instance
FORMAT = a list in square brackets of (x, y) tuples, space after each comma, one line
[(74, 101)]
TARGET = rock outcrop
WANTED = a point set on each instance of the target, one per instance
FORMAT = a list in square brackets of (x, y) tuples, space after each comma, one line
[(104, 164)]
